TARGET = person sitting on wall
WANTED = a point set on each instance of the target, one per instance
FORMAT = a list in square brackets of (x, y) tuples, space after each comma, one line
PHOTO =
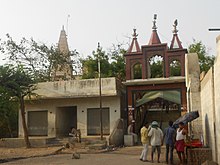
[(76, 133), (131, 131)]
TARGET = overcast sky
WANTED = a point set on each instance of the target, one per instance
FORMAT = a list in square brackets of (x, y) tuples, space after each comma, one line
[(109, 21)]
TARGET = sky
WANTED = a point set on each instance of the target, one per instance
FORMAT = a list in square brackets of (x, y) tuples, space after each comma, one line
[(109, 22)]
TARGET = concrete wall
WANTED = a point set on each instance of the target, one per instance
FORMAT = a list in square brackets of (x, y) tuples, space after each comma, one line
[(78, 88), (82, 94), (113, 102), (193, 91), (207, 108), (210, 105), (217, 98)]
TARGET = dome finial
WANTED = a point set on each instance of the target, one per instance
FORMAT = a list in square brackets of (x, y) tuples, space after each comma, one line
[(134, 34), (154, 22), (98, 45), (175, 27)]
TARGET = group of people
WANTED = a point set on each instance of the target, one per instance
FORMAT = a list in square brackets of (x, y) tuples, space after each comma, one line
[(153, 135)]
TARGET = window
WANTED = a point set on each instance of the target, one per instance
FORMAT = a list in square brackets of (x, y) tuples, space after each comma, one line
[(155, 67), (175, 68), (137, 71)]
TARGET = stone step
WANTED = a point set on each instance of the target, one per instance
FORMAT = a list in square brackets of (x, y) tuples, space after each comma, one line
[(97, 146), (90, 143)]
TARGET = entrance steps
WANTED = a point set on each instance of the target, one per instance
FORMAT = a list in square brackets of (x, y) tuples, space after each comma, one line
[(94, 143)]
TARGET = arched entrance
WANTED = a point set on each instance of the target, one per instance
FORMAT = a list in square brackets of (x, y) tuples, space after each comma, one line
[(159, 105)]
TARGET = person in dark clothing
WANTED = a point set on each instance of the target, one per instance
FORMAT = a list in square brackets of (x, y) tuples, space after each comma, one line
[(169, 136)]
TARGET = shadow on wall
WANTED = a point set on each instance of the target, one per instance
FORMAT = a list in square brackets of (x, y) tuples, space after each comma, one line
[(207, 131)]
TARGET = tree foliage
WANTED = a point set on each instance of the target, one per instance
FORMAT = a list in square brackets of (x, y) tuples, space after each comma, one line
[(17, 83), (118, 61), (137, 69), (112, 63), (205, 61), (175, 68), (41, 59), (8, 114), (156, 66), (27, 62), (90, 64)]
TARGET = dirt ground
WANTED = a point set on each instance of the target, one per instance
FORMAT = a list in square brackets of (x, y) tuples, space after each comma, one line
[(9, 153), (23, 155)]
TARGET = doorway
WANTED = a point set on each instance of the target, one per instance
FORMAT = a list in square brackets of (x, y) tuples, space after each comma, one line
[(66, 117), (157, 105)]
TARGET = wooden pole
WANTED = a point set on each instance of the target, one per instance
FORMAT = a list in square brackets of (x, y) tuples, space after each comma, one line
[(100, 92)]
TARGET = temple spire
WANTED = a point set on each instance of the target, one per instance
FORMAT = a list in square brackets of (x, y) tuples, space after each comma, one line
[(154, 36), (63, 44), (134, 47), (175, 43), (63, 71)]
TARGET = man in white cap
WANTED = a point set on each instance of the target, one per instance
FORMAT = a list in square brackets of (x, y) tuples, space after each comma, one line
[(156, 141), (131, 127), (131, 131)]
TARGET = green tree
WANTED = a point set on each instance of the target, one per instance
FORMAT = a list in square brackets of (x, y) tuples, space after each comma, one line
[(112, 63), (18, 83), (90, 65), (118, 61), (156, 66), (8, 115), (156, 69), (38, 57), (137, 69), (205, 61), (175, 68)]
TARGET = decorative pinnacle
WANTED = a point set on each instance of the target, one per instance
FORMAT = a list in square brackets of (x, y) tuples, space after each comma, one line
[(175, 27), (99, 47), (134, 34), (154, 22)]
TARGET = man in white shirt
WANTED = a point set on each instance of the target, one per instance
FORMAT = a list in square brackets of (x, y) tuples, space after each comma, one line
[(180, 144), (156, 141), (131, 131)]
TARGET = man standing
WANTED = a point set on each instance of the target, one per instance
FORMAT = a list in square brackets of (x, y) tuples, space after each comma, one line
[(145, 142), (180, 144), (169, 135), (156, 140)]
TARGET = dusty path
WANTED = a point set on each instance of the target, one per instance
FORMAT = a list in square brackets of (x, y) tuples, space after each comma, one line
[(127, 155), (8, 154)]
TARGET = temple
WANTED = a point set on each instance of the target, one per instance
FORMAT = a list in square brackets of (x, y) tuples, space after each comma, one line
[(155, 79)]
